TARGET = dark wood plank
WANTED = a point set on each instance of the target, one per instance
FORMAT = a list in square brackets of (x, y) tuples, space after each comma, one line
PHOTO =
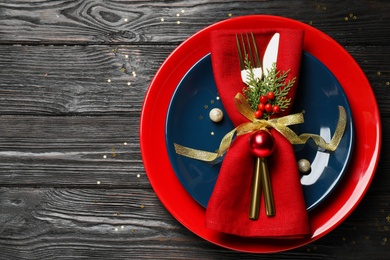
[(75, 22), (71, 151), (128, 223), (89, 80), (73, 80)]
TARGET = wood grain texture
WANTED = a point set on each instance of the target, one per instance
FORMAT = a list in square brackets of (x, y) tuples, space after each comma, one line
[(73, 75), (74, 79), (128, 223), (105, 22)]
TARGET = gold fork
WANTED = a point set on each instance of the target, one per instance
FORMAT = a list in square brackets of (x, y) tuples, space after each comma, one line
[(253, 57)]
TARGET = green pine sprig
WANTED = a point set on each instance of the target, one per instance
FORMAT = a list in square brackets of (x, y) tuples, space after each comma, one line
[(274, 82)]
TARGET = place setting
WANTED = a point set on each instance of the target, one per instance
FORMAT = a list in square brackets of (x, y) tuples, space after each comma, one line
[(252, 135)]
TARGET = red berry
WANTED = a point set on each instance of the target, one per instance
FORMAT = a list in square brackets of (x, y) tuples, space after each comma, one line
[(276, 109), (271, 95), (268, 107), (258, 114), (263, 99), (261, 106)]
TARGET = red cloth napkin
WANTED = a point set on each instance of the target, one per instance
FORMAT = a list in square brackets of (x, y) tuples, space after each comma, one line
[(228, 208)]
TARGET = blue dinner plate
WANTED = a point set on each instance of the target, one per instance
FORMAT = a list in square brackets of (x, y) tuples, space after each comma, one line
[(319, 95)]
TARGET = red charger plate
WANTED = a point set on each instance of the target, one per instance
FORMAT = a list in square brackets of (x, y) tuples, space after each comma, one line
[(343, 199)]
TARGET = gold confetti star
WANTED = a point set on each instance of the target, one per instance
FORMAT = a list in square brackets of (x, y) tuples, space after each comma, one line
[(206, 106), (230, 15), (388, 83), (123, 69), (388, 218), (378, 73), (142, 206), (346, 18), (310, 22)]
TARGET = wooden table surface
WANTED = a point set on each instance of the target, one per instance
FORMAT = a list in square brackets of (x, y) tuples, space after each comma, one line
[(73, 76)]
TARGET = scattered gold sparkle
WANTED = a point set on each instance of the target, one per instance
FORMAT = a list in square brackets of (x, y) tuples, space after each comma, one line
[(200, 117), (162, 20), (346, 18), (324, 8), (114, 155), (354, 17), (142, 206), (388, 218), (178, 22), (98, 182), (378, 73), (230, 14), (114, 50), (212, 101), (310, 22), (118, 213), (206, 106), (350, 14), (109, 80), (123, 69), (388, 83)]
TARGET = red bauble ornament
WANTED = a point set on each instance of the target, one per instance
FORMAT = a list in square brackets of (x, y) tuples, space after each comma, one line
[(261, 143)]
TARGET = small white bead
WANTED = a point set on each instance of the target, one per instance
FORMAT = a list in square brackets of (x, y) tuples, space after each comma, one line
[(304, 166), (216, 115)]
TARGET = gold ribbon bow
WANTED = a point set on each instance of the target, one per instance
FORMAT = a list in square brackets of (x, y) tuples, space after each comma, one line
[(280, 124)]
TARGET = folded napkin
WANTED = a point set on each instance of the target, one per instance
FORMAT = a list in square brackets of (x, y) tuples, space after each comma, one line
[(228, 208)]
